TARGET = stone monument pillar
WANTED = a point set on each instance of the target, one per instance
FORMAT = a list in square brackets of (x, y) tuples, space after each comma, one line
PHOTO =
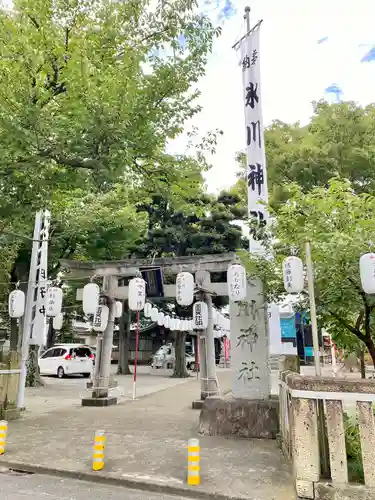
[(249, 411), (249, 343)]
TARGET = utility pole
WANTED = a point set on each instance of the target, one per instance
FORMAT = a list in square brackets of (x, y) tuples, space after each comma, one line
[(314, 325), (37, 263)]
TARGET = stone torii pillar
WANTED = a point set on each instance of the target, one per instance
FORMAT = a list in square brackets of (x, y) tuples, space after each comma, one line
[(208, 378)]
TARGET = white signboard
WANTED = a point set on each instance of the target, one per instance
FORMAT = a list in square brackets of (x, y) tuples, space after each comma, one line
[(255, 151)]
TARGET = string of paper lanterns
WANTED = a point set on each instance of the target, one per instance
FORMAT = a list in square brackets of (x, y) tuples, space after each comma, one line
[(186, 324), (185, 288)]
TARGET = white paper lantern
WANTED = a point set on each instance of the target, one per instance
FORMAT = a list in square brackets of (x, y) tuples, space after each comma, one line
[(167, 321), (58, 321), (137, 294), (147, 310), (367, 272), (54, 300), (154, 314), (214, 316), (161, 319), (237, 283), (100, 321), (184, 289), (293, 275), (177, 324), (16, 304), (200, 316), (90, 298), (220, 320), (118, 309), (183, 325)]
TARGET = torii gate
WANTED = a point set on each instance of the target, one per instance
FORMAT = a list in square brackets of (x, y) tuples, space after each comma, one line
[(112, 271), (248, 327)]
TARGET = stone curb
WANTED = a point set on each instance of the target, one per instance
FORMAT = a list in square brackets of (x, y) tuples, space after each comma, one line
[(135, 484)]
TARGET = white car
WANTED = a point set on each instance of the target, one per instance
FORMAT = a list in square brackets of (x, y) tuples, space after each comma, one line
[(165, 358), (66, 359)]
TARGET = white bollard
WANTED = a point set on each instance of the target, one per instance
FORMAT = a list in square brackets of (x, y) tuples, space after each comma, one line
[(193, 475), (98, 451), (3, 435)]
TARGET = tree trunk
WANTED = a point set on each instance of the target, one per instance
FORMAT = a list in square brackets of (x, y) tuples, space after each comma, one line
[(33, 378), (371, 349), (51, 334), (361, 355), (180, 370), (124, 341), (13, 341)]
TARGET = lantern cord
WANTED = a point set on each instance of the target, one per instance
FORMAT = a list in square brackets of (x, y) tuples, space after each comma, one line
[(136, 354)]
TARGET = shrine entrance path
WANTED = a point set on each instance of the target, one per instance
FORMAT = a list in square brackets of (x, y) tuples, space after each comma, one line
[(147, 446)]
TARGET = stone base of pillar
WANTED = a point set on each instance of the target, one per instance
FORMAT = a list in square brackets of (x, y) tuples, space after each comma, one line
[(221, 416), (197, 404), (10, 413), (101, 402)]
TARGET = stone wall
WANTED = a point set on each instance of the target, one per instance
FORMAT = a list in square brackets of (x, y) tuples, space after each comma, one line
[(9, 385), (301, 435)]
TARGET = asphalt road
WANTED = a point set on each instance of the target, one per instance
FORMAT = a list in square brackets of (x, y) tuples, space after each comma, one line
[(37, 487)]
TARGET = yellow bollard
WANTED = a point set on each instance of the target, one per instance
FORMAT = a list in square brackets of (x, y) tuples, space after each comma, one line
[(3, 435), (193, 475), (98, 451)]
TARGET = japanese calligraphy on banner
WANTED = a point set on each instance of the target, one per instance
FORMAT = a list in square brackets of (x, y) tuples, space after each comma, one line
[(255, 151), (39, 326)]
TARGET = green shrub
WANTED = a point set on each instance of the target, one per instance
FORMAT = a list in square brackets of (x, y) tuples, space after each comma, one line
[(353, 450)]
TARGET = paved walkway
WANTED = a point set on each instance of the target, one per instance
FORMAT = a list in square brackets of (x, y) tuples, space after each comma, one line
[(146, 442), (59, 394)]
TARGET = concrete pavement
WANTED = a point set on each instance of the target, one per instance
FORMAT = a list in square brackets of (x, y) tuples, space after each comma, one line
[(60, 394), (38, 487), (147, 447)]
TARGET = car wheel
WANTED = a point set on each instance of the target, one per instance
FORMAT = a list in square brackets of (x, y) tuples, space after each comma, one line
[(60, 372), (169, 366), (86, 375), (192, 366)]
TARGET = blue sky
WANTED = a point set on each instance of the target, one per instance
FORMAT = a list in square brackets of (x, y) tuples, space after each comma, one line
[(307, 46)]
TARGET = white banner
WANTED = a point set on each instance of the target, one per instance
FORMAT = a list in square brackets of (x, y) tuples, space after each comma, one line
[(255, 151), (39, 325)]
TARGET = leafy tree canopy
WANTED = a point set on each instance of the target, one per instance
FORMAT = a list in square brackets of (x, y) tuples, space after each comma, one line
[(92, 91), (338, 141), (340, 225)]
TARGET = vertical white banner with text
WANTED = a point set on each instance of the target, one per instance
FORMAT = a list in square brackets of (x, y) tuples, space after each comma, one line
[(255, 150), (39, 326)]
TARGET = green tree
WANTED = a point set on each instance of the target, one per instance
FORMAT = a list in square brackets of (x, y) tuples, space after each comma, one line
[(341, 227), (93, 90), (91, 93)]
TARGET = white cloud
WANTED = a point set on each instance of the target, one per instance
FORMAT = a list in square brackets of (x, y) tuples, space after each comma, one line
[(295, 68)]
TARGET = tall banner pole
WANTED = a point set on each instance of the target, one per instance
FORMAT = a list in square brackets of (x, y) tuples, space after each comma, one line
[(249, 48), (31, 299), (257, 192), (249, 360)]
